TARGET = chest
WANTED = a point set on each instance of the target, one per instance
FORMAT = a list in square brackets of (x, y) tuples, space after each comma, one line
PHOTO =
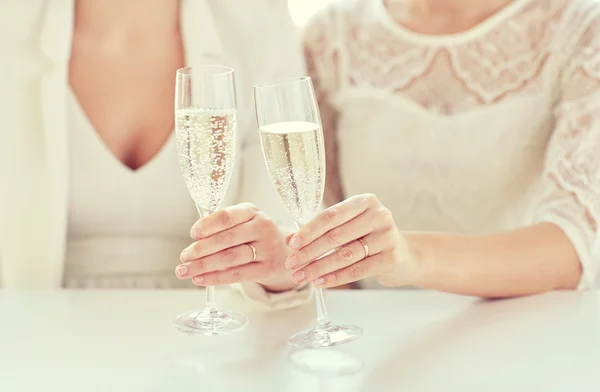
[(106, 199), (135, 86), (460, 118), (470, 172)]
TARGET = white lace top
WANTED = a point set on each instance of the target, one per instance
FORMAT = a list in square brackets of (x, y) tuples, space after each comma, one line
[(490, 129)]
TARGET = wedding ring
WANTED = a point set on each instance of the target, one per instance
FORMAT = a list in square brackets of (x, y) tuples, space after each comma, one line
[(365, 247), (254, 252)]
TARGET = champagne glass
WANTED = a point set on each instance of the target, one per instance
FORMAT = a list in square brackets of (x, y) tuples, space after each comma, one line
[(205, 127), (292, 142)]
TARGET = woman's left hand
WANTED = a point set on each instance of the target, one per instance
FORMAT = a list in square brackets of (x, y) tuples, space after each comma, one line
[(361, 240)]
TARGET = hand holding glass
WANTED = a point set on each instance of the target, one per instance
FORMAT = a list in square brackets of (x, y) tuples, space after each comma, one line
[(292, 142)]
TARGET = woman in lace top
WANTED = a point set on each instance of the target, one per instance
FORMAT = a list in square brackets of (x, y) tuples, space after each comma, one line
[(477, 126)]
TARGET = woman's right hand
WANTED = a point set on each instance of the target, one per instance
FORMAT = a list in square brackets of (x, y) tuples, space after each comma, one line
[(236, 244), (359, 239)]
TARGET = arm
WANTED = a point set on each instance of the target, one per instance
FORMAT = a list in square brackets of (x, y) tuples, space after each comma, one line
[(526, 261), (562, 249), (530, 260)]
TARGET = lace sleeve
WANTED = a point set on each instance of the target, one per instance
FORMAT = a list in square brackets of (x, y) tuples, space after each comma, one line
[(571, 180), (321, 60)]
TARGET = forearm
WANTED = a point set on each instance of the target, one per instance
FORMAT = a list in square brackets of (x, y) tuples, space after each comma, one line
[(526, 261)]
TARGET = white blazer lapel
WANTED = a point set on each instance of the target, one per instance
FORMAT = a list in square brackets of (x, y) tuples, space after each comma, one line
[(199, 32), (33, 254), (56, 38)]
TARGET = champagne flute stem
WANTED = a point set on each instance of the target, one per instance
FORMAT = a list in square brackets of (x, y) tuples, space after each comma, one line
[(322, 317), (210, 290), (210, 297)]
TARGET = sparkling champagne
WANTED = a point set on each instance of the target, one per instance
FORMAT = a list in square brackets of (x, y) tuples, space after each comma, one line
[(206, 149), (295, 156)]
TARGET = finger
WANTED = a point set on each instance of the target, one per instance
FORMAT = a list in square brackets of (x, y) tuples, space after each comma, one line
[(288, 238), (222, 220), (331, 218), (228, 258), (241, 234), (245, 273), (343, 257), (356, 228), (355, 272)]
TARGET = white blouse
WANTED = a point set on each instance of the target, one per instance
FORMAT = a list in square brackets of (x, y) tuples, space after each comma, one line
[(486, 130), (126, 228)]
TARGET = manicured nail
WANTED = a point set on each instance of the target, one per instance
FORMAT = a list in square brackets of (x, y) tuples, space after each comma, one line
[(291, 262), (299, 276), (181, 270), (198, 279), (319, 281), (295, 242)]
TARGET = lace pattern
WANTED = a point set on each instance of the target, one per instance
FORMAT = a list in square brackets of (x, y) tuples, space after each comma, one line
[(572, 176), (443, 77)]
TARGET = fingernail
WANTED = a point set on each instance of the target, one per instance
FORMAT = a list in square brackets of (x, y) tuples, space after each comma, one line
[(291, 262), (299, 276), (295, 242), (319, 281), (196, 231), (181, 270), (183, 256), (198, 279)]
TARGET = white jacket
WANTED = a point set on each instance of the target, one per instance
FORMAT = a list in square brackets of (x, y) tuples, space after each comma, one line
[(257, 38)]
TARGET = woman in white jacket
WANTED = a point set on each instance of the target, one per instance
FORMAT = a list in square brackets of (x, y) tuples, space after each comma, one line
[(91, 194)]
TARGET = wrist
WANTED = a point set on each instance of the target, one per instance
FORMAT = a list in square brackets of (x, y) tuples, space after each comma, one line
[(412, 260), (282, 278), (417, 268)]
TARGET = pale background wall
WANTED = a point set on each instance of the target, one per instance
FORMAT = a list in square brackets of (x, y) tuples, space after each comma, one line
[(302, 10)]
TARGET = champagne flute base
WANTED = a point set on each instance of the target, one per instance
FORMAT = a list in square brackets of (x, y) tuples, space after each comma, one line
[(325, 336), (210, 321)]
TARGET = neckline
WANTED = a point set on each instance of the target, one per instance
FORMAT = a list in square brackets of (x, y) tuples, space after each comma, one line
[(107, 151), (478, 30)]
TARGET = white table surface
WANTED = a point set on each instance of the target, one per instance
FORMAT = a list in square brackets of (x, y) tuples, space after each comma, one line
[(413, 341)]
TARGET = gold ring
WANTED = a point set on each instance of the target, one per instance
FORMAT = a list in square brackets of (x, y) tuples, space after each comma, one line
[(365, 247), (253, 252)]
